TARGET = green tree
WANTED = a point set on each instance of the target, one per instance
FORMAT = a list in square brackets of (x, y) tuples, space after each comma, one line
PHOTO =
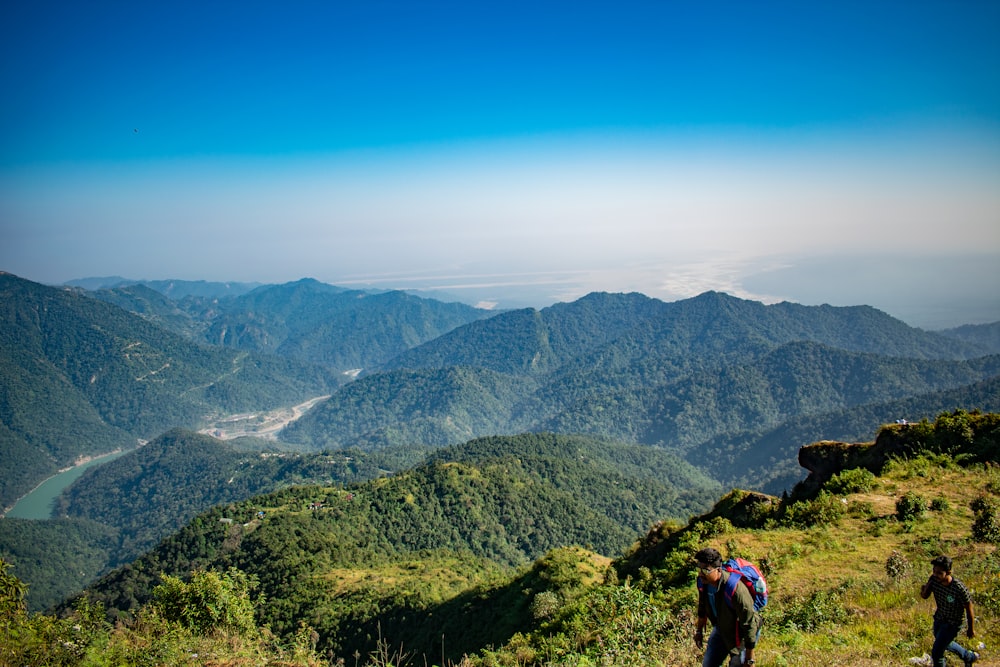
[(210, 601)]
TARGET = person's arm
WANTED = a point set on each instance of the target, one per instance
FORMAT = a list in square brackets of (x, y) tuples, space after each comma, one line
[(925, 590), (699, 626), (748, 620), (969, 617), (699, 631)]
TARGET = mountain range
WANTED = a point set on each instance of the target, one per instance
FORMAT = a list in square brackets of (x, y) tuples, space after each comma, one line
[(727, 389)]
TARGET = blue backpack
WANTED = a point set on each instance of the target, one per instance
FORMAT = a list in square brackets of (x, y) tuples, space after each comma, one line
[(746, 573)]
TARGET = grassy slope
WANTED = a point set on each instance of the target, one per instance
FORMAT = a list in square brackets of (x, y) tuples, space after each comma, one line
[(884, 620)]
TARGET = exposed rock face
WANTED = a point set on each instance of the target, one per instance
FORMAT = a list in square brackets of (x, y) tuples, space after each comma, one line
[(826, 458)]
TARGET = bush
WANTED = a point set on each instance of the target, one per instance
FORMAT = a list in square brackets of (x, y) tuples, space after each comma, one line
[(910, 507), (863, 510), (857, 480), (545, 605), (897, 566), (824, 509), (986, 526), (715, 526), (211, 601), (810, 613)]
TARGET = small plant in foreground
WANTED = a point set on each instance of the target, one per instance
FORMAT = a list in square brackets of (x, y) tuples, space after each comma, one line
[(897, 566)]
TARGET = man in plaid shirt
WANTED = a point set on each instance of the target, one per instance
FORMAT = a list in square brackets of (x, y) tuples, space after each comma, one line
[(953, 600)]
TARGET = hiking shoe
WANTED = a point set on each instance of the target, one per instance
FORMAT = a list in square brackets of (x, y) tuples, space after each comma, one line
[(970, 657)]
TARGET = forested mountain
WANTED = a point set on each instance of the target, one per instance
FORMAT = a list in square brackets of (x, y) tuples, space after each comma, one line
[(433, 564), (117, 511), (172, 289), (502, 502), (733, 387), (159, 487), (612, 333), (157, 308), (79, 377), (986, 336), (637, 369), (305, 320), (767, 459)]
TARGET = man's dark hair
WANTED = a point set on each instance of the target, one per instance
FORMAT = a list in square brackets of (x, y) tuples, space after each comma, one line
[(709, 557), (942, 562)]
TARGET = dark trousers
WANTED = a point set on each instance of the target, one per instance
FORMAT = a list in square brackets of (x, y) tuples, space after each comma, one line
[(944, 640)]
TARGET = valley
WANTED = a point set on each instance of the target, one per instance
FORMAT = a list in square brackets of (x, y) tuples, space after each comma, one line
[(264, 424)]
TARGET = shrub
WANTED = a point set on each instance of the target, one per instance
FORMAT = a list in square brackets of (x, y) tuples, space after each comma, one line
[(897, 566), (812, 612), (987, 596), (954, 432), (863, 510), (824, 509), (210, 601), (545, 605), (940, 505), (910, 507), (856, 480), (986, 526), (719, 525)]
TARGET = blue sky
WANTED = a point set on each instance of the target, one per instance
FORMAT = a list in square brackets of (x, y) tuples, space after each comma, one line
[(512, 153)]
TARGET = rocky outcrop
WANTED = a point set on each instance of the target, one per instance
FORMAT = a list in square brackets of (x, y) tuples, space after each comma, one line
[(826, 458)]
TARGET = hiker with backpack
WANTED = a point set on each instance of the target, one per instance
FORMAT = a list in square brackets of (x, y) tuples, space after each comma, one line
[(730, 595)]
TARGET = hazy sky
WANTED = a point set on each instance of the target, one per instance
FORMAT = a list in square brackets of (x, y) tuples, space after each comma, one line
[(517, 153)]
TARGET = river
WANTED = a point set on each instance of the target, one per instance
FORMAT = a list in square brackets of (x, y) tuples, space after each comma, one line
[(38, 504)]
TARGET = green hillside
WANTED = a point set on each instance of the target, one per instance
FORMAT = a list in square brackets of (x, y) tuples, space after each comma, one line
[(79, 377), (845, 556), (158, 488), (125, 507), (986, 336), (434, 407), (500, 501), (767, 460)]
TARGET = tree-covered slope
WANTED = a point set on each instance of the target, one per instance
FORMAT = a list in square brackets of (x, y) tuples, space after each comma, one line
[(790, 382), (126, 506), (760, 391), (343, 329), (154, 307), (156, 489), (80, 377), (986, 336), (430, 407), (506, 500), (610, 334), (844, 557), (173, 289), (767, 460), (55, 558), (338, 328)]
